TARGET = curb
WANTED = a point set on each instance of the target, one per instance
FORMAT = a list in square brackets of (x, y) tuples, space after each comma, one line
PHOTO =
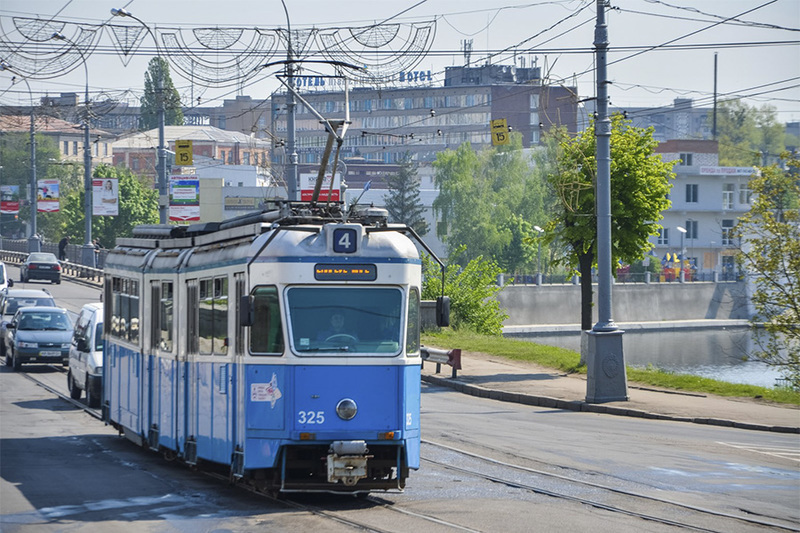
[(581, 406)]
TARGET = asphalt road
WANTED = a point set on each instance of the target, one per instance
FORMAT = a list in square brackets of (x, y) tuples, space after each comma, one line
[(487, 466)]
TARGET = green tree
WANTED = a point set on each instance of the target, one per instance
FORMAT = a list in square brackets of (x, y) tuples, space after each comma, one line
[(472, 290), (138, 204), (158, 83), (488, 202), (639, 188), (403, 202), (15, 160), (747, 135), (770, 253)]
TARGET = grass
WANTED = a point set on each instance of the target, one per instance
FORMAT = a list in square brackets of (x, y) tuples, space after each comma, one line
[(569, 361)]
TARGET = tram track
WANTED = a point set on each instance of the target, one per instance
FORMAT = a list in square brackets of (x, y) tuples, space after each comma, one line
[(284, 501), (724, 521), (604, 497)]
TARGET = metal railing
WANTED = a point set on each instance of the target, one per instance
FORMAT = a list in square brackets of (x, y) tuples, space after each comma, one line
[(68, 268)]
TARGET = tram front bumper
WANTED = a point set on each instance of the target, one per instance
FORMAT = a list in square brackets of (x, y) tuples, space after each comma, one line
[(347, 461)]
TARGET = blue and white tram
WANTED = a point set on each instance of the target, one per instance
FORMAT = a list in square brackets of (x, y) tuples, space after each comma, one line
[(217, 347)]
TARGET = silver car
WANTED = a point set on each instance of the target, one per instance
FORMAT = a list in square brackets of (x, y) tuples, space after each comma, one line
[(38, 335)]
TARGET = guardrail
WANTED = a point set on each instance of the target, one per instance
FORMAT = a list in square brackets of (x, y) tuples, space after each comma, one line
[(68, 268), (442, 357)]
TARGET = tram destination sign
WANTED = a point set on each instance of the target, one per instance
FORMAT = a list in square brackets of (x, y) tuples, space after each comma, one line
[(335, 272)]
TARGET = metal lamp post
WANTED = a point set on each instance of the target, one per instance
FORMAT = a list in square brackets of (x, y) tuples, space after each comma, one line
[(683, 252), (163, 197), (88, 250), (34, 243), (539, 256)]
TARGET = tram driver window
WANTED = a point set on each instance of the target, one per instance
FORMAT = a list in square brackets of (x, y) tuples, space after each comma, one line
[(266, 334)]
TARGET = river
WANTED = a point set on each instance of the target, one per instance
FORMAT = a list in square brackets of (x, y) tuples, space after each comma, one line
[(723, 354)]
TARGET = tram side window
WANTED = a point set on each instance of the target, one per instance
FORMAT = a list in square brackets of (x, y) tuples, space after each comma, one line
[(213, 319), (266, 334), (166, 316), (125, 309), (412, 332)]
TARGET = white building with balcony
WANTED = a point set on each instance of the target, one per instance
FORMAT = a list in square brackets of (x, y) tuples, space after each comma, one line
[(707, 201)]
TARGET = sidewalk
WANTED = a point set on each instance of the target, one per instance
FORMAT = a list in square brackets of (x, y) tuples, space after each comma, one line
[(501, 379)]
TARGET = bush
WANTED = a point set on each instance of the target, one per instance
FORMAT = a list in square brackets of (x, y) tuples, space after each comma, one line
[(472, 291)]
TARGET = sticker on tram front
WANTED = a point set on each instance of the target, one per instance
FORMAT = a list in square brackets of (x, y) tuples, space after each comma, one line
[(266, 392)]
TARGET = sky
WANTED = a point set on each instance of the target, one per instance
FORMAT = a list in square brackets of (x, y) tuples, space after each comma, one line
[(660, 50)]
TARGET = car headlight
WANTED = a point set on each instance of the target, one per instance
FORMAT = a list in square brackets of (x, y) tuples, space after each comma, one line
[(66, 345), (23, 344)]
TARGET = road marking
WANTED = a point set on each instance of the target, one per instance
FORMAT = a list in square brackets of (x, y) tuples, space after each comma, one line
[(784, 452)]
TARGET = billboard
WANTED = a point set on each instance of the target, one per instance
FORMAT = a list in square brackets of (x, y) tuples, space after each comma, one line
[(105, 197), (307, 182), (184, 198), (47, 196), (9, 199)]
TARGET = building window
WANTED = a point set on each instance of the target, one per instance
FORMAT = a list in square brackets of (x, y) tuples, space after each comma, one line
[(74, 147), (691, 229), (686, 159), (691, 193), (222, 156), (727, 196), (246, 158), (663, 236), (66, 147), (727, 232), (745, 194)]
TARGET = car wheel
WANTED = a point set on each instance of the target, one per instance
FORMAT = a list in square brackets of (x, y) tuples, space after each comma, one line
[(58, 281), (22, 278), (15, 364), (74, 391), (91, 400)]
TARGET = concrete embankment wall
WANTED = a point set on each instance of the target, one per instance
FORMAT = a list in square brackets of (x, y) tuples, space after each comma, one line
[(634, 302)]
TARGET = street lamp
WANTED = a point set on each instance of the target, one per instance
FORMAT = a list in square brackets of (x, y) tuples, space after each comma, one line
[(34, 244), (683, 253), (539, 256), (88, 250), (163, 201)]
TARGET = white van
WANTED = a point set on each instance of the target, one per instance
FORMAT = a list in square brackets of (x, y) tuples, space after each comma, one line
[(86, 355), (5, 279)]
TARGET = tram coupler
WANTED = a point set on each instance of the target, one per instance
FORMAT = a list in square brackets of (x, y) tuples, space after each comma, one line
[(347, 461)]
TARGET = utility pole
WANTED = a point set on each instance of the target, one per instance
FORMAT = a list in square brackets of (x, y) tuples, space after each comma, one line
[(291, 110), (606, 377), (163, 196), (34, 243)]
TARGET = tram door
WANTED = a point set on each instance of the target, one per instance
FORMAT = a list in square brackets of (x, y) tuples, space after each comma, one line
[(164, 371)]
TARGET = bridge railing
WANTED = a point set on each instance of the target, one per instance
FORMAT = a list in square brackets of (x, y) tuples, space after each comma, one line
[(68, 268)]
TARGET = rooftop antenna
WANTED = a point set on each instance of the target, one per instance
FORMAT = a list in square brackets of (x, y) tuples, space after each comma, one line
[(466, 47)]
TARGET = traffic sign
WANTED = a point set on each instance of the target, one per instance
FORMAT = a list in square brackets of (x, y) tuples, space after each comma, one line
[(183, 153), (499, 132)]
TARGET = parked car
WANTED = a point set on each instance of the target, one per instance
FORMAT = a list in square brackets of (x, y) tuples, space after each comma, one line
[(86, 355), (11, 300), (38, 335), (40, 265), (5, 279)]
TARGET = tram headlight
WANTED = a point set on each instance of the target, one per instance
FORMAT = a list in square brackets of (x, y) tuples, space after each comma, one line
[(346, 409)]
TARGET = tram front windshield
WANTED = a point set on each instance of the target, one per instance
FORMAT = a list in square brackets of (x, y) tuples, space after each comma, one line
[(365, 320)]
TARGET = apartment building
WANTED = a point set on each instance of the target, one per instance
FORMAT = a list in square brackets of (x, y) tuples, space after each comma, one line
[(707, 200)]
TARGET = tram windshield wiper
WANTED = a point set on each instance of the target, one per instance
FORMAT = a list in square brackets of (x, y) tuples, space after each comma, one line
[(330, 349)]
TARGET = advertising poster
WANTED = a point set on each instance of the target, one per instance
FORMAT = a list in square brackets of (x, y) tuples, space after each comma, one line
[(184, 198), (105, 197), (47, 198), (308, 181), (9, 199)]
